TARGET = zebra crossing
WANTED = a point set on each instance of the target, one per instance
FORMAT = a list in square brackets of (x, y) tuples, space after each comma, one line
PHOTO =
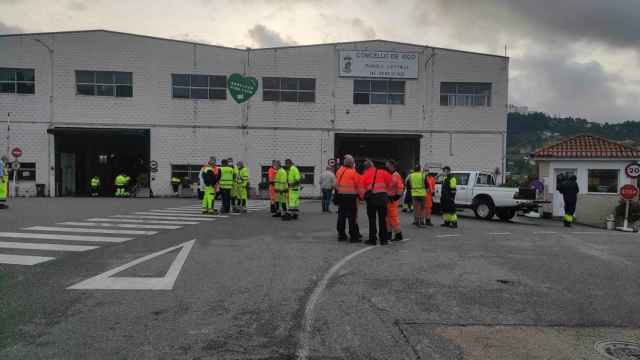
[(64, 237)]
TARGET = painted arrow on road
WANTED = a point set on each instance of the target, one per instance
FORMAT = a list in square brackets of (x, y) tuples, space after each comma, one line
[(106, 280)]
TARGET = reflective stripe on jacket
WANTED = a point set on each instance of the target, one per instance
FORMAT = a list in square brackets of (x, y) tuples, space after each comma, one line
[(347, 181)]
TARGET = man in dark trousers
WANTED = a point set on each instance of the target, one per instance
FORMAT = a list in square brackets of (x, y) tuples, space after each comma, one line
[(448, 199), (569, 190), (376, 184), (347, 191)]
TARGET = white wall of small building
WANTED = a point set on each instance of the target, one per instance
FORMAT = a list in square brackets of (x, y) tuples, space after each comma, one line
[(185, 131)]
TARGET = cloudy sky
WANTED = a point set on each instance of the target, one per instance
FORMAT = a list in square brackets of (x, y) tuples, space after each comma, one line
[(568, 57)]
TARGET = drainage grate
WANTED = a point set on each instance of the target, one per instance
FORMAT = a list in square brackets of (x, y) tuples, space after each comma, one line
[(618, 350)]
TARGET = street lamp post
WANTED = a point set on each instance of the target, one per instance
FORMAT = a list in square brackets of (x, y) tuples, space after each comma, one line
[(51, 112)]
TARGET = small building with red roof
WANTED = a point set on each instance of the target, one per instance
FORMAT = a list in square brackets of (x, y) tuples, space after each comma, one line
[(599, 165)]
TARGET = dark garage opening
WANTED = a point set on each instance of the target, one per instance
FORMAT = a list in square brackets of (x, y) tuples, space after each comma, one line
[(81, 153), (379, 147)]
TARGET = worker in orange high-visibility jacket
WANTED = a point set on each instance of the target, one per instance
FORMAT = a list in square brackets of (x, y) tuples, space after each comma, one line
[(271, 178), (395, 194), (375, 190), (430, 186), (347, 190)]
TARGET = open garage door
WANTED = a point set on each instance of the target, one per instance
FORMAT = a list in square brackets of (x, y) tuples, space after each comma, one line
[(81, 153), (379, 147)]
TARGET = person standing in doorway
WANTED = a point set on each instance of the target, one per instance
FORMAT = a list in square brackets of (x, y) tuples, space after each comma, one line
[(327, 184), (348, 187), (175, 185), (375, 185), (4, 182), (448, 199), (569, 190), (395, 194), (226, 184), (120, 182), (94, 185), (271, 178)]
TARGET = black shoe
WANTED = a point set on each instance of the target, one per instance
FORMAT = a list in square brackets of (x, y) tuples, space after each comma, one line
[(371, 242), (276, 215), (428, 223), (398, 237), (294, 216), (567, 224), (454, 225), (342, 238), (286, 217), (445, 224)]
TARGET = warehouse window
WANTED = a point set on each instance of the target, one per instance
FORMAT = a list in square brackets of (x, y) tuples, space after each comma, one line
[(199, 87), (603, 181), (465, 94), (27, 171), (104, 83), (288, 89), (378, 92), (191, 172), (307, 174), (17, 81)]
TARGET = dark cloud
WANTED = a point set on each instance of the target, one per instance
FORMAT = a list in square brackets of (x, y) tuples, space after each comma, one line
[(552, 82), (9, 29), (612, 22), (264, 37)]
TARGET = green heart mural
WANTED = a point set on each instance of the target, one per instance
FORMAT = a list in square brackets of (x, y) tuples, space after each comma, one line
[(241, 87)]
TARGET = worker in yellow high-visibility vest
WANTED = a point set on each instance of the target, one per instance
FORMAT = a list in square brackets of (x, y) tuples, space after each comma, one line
[(4, 182), (293, 183), (226, 184), (242, 183), (282, 188)]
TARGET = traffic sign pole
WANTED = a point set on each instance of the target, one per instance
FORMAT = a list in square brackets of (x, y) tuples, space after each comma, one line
[(627, 192)]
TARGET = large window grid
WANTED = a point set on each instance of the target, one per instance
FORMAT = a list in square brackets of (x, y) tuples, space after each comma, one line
[(104, 83), (378, 92), (288, 89), (465, 94), (603, 181), (199, 87), (17, 81), (191, 172)]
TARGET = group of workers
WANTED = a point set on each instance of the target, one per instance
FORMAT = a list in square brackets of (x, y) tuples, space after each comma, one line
[(122, 182), (284, 190), (230, 181), (382, 190)]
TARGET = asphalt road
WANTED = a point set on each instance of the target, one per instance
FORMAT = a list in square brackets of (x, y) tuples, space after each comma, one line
[(253, 287)]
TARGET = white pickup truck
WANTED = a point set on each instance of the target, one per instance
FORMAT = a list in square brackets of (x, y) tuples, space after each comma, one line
[(477, 190)]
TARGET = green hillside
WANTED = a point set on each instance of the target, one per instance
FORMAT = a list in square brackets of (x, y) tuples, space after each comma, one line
[(528, 132)]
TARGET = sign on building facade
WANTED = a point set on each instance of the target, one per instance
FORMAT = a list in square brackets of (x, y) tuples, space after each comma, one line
[(379, 64)]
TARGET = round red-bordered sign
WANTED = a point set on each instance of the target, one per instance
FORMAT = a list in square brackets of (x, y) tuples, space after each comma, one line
[(628, 192), (16, 152), (632, 170)]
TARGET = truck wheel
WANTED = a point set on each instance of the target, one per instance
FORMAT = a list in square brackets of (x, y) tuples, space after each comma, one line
[(506, 214), (484, 209)]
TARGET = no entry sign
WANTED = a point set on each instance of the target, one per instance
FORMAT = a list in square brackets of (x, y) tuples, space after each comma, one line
[(16, 152), (628, 192)]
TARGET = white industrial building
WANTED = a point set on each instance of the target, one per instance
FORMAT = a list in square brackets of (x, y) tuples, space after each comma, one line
[(98, 102)]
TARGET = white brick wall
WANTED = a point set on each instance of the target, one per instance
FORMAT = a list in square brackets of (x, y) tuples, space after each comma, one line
[(188, 131)]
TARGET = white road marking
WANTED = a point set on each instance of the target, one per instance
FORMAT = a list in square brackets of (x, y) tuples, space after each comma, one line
[(63, 237), (588, 232), (447, 235), (106, 281), (127, 226), (23, 259), (49, 247), (545, 232), (160, 217), (179, 212), (89, 230), (147, 221), (499, 233), (177, 215)]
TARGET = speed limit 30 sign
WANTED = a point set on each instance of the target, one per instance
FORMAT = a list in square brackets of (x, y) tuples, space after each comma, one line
[(632, 170)]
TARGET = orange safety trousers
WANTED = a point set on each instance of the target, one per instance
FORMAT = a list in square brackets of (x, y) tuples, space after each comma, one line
[(428, 205), (273, 194), (393, 218)]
